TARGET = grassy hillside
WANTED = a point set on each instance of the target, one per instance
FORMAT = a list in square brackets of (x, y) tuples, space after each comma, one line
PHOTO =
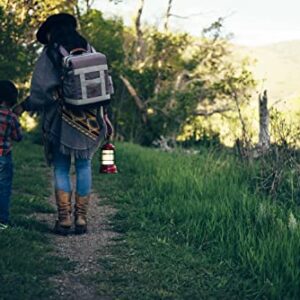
[(195, 229), (278, 70)]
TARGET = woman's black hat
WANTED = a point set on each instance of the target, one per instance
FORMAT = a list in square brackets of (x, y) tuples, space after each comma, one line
[(8, 92), (58, 19)]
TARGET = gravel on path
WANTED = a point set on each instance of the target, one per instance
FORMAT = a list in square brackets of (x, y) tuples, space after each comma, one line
[(82, 251)]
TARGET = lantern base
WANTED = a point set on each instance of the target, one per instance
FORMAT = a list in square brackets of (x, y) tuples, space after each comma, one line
[(110, 169)]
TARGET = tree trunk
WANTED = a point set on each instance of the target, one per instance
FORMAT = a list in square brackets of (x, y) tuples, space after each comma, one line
[(168, 14), (160, 58), (138, 30), (138, 101), (264, 136), (245, 139)]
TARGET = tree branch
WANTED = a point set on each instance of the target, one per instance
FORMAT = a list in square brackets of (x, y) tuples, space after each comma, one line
[(138, 30), (89, 4), (186, 17), (187, 83), (168, 14), (206, 113), (179, 79), (138, 101), (244, 131)]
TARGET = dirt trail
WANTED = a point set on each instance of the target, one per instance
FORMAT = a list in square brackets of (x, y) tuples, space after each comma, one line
[(82, 251)]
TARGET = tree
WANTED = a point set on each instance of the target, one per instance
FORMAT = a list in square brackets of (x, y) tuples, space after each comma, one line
[(106, 35), (14, 63), (163, 80), (176, 77), (19, 21)]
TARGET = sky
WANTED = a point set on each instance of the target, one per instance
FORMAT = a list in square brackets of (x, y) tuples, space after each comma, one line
[(252, 22)]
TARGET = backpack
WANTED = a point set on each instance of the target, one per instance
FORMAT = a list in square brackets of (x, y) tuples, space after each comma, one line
[(85, 78)]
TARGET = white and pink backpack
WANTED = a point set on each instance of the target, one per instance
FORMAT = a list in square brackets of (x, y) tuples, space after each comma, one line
[(85, 77)]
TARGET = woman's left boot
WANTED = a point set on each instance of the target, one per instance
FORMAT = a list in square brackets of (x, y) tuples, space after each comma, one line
[(81, 207), (64, 208)]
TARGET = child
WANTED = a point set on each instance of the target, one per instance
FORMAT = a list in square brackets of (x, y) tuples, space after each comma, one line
[(9, 130)]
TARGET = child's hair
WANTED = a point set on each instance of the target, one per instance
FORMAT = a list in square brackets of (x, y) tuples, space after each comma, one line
[(8, 92)]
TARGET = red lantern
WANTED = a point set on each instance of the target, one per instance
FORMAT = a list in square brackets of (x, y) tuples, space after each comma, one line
[(107, 157)]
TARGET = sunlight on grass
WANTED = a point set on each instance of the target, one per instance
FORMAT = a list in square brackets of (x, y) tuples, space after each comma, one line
[(227, 127), (28, 122)]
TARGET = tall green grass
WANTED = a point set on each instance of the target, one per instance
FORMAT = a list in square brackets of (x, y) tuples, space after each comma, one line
[(26, 260), (195, 230)]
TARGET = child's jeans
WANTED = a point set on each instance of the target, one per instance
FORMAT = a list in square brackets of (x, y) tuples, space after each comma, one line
[(6, 175), (62, 179)]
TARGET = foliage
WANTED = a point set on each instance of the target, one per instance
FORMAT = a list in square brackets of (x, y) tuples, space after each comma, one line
[(33, 12), (278, 170), (18, 46), (225, 125), (106, 35), (284, 131), (176, 75), (173, 75), (278, 174), (15, 62)]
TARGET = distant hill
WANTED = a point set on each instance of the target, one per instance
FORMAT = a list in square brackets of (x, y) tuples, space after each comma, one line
[(278, 70)]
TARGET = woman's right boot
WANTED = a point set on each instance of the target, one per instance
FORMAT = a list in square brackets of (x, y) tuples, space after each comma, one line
[(64, 208), (81, 207)]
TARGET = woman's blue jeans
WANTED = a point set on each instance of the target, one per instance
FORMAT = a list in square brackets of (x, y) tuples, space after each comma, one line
[(6, 175), (62, 164)]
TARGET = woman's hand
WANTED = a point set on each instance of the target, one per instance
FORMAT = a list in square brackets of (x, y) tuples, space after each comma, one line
[(18, 109)]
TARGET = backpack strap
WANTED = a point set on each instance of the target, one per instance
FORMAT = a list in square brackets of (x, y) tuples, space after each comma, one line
[(77, 50), (90, 48), (63, 51), (53, 56)]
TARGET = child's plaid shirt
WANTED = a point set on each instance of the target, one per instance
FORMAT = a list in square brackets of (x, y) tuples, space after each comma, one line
[(10, 129)]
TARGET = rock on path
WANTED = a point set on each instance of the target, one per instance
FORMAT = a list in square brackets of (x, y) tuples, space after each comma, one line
[(82, 250)]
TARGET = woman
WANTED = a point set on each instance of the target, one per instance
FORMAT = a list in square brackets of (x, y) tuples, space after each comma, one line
[(67, 132)]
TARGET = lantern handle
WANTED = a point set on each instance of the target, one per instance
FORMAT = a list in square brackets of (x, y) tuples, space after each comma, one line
[(109, 126)]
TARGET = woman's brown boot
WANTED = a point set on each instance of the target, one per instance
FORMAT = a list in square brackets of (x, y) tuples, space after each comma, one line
[(64, 208), (81, 207)]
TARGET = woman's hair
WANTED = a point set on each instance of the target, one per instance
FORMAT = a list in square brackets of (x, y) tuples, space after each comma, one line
[(66, 36)]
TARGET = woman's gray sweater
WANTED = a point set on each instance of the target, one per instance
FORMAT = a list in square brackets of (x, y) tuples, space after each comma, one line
[(44, 98)]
